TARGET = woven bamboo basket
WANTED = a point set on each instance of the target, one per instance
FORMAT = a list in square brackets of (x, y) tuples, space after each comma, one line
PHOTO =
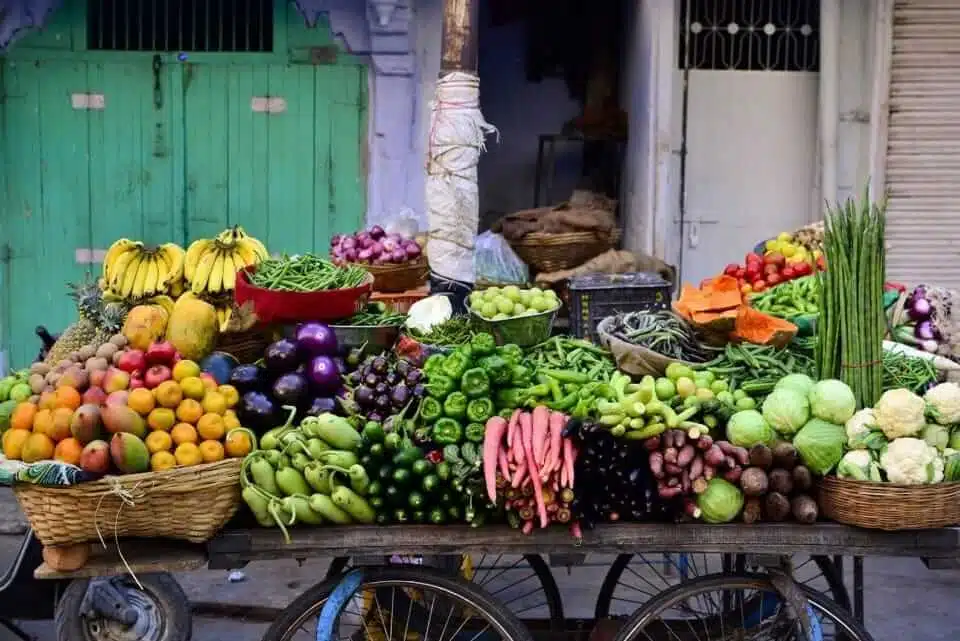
[(399, 277), (247, 346), (188, 503), (889, 506), (552, 252)]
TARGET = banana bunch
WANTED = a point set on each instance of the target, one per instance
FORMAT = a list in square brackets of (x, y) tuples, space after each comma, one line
[(211, 264), (133, 271), (224, 313)]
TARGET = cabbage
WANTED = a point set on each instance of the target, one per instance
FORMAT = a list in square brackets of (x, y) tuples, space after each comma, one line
[(820, 445), (786, 410), (799, 382), (832, 401), (747, 428), (720, 502)]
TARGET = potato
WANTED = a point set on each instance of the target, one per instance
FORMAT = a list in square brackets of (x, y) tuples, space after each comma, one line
[(119, 340), (37, 383), (107, 350), (86, 352), (40, 368), (96, 363)]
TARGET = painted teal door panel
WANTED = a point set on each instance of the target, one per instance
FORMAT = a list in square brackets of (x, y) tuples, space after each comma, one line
[(292, 178)]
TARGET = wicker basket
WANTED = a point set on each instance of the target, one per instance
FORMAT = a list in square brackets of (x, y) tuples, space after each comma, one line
[(400, 302), (247, 346), (889, 506), (399, 277), (552, 252), (189, 503)]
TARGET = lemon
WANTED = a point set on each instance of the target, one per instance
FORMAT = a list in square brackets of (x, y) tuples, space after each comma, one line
[(785, 237), (788, 250), (771, 245)]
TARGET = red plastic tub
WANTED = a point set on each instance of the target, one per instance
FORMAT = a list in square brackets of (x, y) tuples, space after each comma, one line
[(298, 307)]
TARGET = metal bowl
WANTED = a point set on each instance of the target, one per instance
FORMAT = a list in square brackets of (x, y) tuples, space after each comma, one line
[(377, 338)]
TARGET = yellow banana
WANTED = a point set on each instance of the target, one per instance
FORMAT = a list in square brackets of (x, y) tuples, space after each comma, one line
[(163, 301), (113, 252), (245, 254), (192, 257), (202, 274), (230, 268), (126, 275), (152, 274), (255, 246), (227, 313), (118, 268), (216, 274), (171, 255), (139, 282)]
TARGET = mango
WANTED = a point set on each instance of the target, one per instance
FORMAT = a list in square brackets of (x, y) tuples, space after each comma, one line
[(120, 419), (193, 327), (129, 453), (85, 424), (95, 457), (145, 324)]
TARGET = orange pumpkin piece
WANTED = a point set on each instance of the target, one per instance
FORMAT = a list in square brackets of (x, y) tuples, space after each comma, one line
[(762, 329)]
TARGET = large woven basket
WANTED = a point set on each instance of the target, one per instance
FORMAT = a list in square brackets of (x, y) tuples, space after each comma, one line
[(888, 506), (188, 503), (551, 252), (399, 277)]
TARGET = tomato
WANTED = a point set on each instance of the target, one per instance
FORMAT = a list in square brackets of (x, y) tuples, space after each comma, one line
[(802, 269), (821, 264), (746, 288), (773, 279), (775, 258), (759, 285), (731, 269), (740, 273), (771, 269), (788, 273)]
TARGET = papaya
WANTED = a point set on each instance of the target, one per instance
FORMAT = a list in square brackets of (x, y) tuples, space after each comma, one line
[(193, 328), (145, 325)]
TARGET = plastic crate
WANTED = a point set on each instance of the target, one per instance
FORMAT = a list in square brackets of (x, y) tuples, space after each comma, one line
[(595, 296)]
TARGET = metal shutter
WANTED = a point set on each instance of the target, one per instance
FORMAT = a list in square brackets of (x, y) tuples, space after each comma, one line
[(923, 144)]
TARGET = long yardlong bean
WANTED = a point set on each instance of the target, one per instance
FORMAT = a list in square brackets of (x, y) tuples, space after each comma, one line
[(661, 332), (306, 273)]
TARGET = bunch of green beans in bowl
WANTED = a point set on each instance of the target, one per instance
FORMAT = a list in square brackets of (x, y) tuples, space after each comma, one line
[(306, 273)]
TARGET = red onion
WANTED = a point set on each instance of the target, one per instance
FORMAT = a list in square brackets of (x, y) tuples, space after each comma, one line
[(364, 255), (377, 248), (389, 244), (376, 232), (412, 249), (349, 243), (398, 256)]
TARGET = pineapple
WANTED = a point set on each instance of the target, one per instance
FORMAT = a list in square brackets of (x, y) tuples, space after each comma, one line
[(86, 331), (111, 322)]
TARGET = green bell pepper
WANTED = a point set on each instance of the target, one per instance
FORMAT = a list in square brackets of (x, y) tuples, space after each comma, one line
[(511, 353), (499, 371), (440, 385), (433, 364), (474, 432), (455, 365), (456, 405), (430, 409), (483, 344), (510, 398), (475, 383), (521, 376), (479, 410), (446, 431)]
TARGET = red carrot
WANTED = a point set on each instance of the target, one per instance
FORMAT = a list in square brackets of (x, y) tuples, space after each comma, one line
[(519, 476), (513, 428), (576, 532), (491, 446), (503, 462), (526, 432), (564, 480), (541, 428), (569, 457), (552, 460), (527, 527)]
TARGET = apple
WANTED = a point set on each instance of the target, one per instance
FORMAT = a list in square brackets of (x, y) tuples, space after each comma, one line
[(117, 398), (136, 383), (132, 360), (94, 396), (97, 377), (156, 375), (161, 353), (115, 380)]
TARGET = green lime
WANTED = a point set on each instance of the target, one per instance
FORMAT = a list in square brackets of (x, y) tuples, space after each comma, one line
[(504, 305), (489, 310)]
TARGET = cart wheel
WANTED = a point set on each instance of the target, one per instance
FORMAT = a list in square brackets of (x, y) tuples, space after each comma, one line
[(524, 583), (10, 631), (634, 579), (162, 612)]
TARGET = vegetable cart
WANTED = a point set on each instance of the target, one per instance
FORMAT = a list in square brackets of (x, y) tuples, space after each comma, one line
[(745, 560)]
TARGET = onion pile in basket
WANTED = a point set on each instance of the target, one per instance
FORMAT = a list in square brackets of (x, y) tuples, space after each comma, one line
[(374, 247)]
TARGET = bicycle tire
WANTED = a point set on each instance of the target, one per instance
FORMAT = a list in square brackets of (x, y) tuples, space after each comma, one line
[(665, 601), (308, 604), (826, 565), (541, 570)]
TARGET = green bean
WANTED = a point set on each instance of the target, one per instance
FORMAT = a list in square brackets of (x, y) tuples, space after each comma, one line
[(306, 273), (451, 333)]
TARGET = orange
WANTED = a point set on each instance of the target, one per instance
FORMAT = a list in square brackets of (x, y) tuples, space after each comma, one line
[(230, 420), (141, 401), (211, 451), (183, 433), (189, 411), (211, 427), (38, 447), (168, 394), (22, 417), (214, 403), (185, 369), (13, 440), (48, 400), (231, 394), (61, 423), (68, 397), (162, 418), (68, 450), (188, 454), (162, 461), (193, 387), (209, 382), (43, 422), (158, 441), (238, 443)]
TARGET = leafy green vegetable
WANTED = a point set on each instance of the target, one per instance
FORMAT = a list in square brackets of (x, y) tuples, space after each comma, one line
[(721, 502), (832, 401), (748, 428), (786, 410), (820, 445)]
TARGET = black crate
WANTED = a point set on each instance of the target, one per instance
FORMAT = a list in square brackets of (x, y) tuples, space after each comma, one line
[(595, 296)]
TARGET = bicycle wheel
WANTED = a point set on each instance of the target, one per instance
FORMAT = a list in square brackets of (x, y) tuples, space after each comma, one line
[(634, 579), (382, 610), (751, 609), (524, 584)]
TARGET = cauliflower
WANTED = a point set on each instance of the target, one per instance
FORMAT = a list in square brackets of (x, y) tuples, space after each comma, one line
[(859, 465), (911, 461), (943, 402), (862, 431), (899, 412)]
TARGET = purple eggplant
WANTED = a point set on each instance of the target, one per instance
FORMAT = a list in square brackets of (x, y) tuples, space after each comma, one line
[(321, 405), (247, 378), (323, 375), (925, 331), (364, 396), (290, 389), (257, 411), (281, 357), (400, 396), (316, 339), (413, 377)]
